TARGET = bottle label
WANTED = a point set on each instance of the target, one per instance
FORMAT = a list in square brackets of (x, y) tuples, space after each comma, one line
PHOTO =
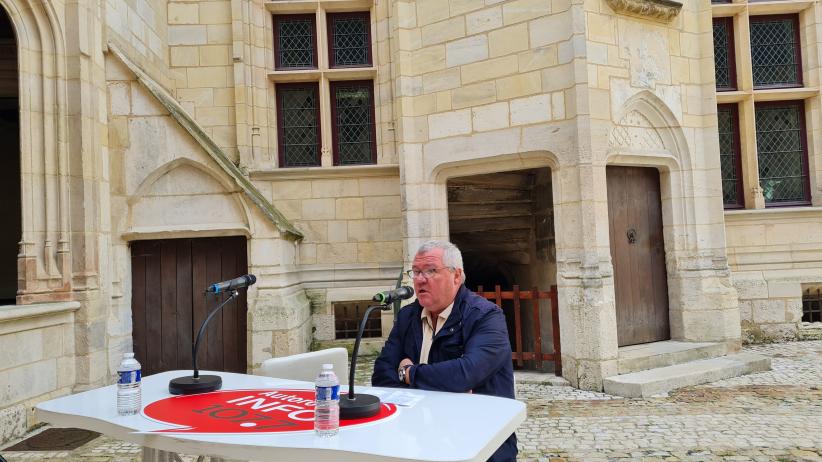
[(328, 393), (128, 377)]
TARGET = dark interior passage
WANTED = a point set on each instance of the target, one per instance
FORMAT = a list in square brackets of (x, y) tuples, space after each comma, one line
[(503, 224), (11, 231)]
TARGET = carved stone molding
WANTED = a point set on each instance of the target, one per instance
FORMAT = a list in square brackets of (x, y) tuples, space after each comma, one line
[(660, 10)]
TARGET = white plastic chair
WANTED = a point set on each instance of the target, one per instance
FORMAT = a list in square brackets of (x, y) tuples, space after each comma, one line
[(306, 366)]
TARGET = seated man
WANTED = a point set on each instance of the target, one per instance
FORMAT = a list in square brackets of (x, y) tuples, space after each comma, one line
[(450, 339)]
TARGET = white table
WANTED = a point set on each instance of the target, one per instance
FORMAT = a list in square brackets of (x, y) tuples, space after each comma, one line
[(440, 427)]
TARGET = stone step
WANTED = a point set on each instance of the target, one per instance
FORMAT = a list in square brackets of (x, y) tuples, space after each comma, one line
[(646, 356), (661, 380)]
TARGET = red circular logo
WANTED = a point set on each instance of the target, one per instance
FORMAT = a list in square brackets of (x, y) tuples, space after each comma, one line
[(245, 411)]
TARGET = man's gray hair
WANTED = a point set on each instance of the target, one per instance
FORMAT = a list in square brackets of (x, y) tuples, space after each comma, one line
[(451, 255)]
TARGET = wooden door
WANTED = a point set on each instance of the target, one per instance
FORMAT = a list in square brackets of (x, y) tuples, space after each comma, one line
[(168, 303), (638, 255)]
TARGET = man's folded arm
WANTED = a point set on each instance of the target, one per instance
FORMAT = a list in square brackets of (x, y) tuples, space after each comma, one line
[(486, 350)]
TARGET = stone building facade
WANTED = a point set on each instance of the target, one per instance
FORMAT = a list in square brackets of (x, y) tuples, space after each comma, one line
[(328, 138)]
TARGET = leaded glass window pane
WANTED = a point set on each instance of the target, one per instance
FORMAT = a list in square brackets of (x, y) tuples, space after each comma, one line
[(350, 40), (781, 151), (353, 123), (729, 156), (723, 56), (295, 42), (775, 52), (299, 126)]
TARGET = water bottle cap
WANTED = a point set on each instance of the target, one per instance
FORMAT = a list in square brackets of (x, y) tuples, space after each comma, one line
[(328, 367), (128, 355)]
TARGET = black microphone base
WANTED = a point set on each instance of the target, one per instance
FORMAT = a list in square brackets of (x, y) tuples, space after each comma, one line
[(360, 407), (191, 385)]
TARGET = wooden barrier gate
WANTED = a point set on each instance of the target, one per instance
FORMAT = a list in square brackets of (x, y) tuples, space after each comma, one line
[(535, 295)]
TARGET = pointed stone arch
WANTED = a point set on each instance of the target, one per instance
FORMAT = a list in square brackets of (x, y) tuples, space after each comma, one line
[(44, 261), (186, 185), (647, 127), (649, 134)]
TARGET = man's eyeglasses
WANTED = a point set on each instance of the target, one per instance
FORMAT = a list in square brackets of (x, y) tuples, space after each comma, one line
[(426, 273)]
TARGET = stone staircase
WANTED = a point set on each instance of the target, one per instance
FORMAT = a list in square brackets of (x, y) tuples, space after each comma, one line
[(654, 368)]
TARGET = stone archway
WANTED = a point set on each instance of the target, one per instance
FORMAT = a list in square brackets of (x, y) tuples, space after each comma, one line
[(703, 303), (44, 264), (11, 232)]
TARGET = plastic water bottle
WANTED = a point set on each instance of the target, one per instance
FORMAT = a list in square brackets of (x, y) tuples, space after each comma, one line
[(128, 386), (327, 410)]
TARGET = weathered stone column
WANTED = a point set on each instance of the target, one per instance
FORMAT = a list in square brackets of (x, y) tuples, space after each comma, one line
[(587, 313)]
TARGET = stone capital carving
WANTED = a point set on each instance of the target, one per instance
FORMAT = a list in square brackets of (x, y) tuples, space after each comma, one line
[(661, 10)]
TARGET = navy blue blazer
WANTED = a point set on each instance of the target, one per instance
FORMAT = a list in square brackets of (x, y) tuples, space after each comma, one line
[(470, 352)]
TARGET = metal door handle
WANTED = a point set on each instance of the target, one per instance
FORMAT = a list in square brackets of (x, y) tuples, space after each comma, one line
[(631, 236)]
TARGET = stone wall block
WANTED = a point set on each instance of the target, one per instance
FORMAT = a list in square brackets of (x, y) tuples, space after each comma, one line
[(379, 252), (483, 20), (467, 50), (474, 95), (350, 208), (522, 10), (379, 186), (389, 229), (549, 30), (187, 35), (323, 326), (793, 310), (119, 96), (508, 40), (216, 12), (144, 103), (319, 209), (39, 378), (519, 85), (12, 422), (538, 58), (430, 11), (447, 79), (768, 311), (338, 231), (489, 69), (490, 117), (443, 31), (778, 289), (428, 59), (369, 230), (530, 110), (340, 252), (449, 124), (11, 353), (183, 13), (382, 207), (293, 189), (210, 77), (750, 289), (746, 310)]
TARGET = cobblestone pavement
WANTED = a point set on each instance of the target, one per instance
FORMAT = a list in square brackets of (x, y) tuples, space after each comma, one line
[(768, 416)]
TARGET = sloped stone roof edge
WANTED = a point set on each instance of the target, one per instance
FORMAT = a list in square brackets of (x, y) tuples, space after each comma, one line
[(190, 125)]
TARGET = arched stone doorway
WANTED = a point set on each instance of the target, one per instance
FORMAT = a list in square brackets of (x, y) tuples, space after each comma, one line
[(503, 224), (10, 232)]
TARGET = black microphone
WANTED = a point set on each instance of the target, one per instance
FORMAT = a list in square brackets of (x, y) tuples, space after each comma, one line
[(197, 383), (358, 406), (390, 296), (233, 284)]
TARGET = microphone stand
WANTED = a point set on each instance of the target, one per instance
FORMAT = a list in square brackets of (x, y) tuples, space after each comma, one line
[(196, 383), (359, 406)]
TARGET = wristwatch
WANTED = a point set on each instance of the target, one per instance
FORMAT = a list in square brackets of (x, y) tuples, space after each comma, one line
[(402, 372)]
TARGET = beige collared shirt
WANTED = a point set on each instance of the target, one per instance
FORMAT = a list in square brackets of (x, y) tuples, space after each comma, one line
[(428, 331)]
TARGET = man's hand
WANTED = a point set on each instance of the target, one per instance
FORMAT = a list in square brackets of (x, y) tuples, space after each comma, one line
[(403, 364)]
